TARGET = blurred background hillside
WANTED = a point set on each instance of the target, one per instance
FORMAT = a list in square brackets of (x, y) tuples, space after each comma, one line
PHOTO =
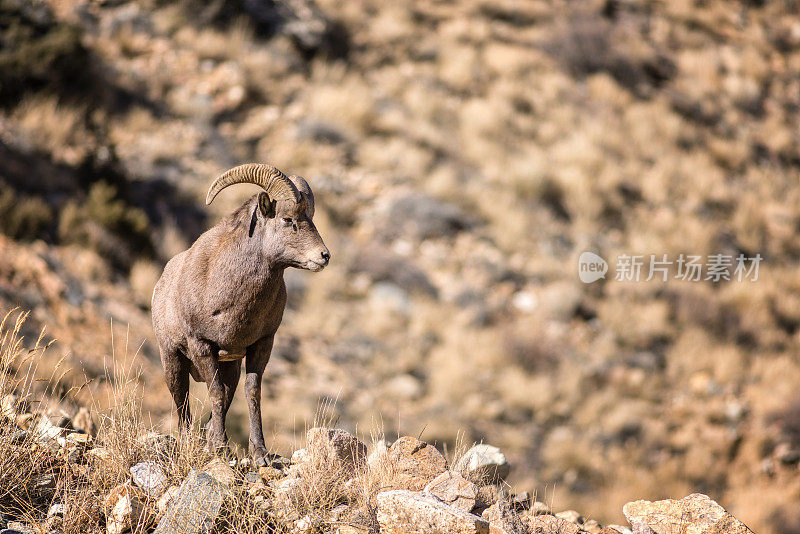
[(463, 155)]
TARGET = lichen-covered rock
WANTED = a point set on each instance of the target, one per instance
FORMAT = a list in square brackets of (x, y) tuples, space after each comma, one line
[(484, 464), (221, 471), (150, 477), (409, 512), (288, 496), (196, 507), (414, 463), (694, 514), (340, 448), (453, 489)]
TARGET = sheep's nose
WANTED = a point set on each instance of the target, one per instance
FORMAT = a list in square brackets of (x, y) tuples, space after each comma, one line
[(326, 256)]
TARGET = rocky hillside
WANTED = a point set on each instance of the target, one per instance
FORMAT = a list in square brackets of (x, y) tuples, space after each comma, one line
[(68, 477), (463, 156)]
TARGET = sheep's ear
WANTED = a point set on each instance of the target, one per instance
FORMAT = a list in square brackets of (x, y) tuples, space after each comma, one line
[(266, 206)]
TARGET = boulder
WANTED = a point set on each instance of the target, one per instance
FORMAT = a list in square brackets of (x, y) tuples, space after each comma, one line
[(150, 477), (485, 464), (453, 489), (339, 448), (414, 463), (409, 512), (221, 471), (423, 217), (694, 514), (196, 507)]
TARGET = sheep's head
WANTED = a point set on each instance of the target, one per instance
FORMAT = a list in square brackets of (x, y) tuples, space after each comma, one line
[(283, 216)]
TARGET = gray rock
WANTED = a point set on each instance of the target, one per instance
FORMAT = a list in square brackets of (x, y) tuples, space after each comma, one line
[(339, 447), (453, 489), (424, 217), (484, 463), (694, 514), (150, 477), (409, 512), (414, 463), (221, 471), (197, 506)]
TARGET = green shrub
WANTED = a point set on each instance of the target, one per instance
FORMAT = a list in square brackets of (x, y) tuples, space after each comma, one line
[(23, 218), (37, 51), (106, 224)]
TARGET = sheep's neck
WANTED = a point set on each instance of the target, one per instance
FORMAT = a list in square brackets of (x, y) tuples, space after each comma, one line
[(262, 275)]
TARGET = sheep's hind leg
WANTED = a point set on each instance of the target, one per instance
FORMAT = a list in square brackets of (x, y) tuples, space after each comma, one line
[(176, 374), (222, 379), (257, 359)]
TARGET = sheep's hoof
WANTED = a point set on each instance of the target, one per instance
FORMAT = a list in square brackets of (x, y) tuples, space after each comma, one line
[(260, 456)]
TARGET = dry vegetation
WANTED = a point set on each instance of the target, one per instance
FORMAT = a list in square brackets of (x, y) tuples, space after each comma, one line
[(463, 155), (63, 473)]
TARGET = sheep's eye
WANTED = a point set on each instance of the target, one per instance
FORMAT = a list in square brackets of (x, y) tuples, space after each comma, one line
[(287, 221)]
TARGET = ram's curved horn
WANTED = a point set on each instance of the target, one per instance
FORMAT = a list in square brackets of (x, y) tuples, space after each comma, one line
[(274, 182), (305, 190)]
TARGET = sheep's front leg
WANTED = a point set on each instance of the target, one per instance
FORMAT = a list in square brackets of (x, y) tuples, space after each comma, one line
[(257, 358), (221, 378)]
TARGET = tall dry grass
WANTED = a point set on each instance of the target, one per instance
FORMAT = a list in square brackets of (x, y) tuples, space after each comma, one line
[(42, 464)]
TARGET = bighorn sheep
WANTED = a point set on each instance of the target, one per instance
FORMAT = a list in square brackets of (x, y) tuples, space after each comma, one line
[(222, 300)]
